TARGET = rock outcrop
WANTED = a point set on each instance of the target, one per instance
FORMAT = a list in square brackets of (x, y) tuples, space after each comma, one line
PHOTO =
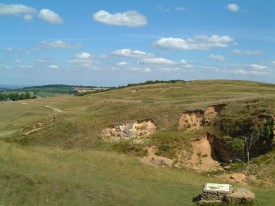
[(126, 131), (193, 120), (224, 193)]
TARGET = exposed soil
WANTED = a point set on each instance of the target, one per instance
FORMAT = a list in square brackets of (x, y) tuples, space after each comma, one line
[(195, 119), (54, 109), (234, 177), (154, 159), (203, 157), (126, 131)]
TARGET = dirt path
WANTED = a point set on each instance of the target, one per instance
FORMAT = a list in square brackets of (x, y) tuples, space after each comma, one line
[(54, 109)]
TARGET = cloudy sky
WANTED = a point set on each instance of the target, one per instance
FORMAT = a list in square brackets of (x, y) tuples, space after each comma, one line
[(115, 42)]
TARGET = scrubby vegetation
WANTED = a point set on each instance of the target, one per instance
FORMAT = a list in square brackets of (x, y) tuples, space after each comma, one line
[(16, 96)]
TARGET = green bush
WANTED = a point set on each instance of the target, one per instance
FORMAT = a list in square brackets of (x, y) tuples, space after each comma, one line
[(129, 148)]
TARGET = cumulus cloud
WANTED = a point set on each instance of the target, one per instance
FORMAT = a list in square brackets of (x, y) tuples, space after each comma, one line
[(233, 7), (122, 63), (17, 10), (128, 18), (162, 61), (246, 52), (186, 64), (201, 42), (83, 55), (41, 61), (53, 66), (166, 63), (217, 57), (27, 17), (258, 67), (83, 59), (131, 53), (50, 16), (57, 44)]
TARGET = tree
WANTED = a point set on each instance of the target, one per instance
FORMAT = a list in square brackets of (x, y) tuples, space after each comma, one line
[(13, 96), (3, 97), (250, 140)]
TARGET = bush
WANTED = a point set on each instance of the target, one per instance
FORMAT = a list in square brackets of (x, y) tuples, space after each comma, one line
[(129, 148)]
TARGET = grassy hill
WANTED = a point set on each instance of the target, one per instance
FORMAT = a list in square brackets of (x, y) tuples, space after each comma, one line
[(52, 152)]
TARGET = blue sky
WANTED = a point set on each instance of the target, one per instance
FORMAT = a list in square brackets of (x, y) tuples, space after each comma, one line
[(116, 42)]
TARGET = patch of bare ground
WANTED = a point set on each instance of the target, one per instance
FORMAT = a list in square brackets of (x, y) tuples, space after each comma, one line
[(153, 159), (203, 159), (195, 119), (234, 177), (130, 130), (31, 128)]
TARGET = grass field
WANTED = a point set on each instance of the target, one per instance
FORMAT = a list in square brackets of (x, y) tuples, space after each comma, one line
[(57, 158), (43, 176)]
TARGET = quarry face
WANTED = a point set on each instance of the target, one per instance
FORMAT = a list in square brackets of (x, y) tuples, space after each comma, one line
[(130, 130)]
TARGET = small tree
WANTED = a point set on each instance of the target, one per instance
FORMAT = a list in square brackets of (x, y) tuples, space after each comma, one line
[(250, 140)]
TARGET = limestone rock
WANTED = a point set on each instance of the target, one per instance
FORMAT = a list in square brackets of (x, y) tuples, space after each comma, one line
[(130, 130), (224, 193), (240, 195)]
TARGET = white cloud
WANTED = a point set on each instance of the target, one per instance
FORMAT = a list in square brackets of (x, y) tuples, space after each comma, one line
[(50, 16), (27, 17), (201, 42), (217, 57), (186, 64), (131, 53), (26, 66), (41, 60), (83, 55), (233, 7), (128, 18), (163, 9), (53, 66), (258, 67), (179, 8), (160, 61), (122, 63), (58, 44), (273, 62), (17, 10), (83, 59), (246, 52)]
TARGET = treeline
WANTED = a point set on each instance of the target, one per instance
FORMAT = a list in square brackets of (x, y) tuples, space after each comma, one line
[(152, 82), (129, 85), (93, 92), (16, 96), (55, 88)]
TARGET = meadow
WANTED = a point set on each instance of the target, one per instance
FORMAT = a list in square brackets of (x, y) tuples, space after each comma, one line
[(56, 157)]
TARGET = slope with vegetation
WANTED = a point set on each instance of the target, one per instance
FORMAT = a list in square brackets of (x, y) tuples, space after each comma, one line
[(49, 156)]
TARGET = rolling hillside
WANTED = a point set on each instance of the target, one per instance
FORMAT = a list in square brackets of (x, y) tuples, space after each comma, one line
[(53, 150)]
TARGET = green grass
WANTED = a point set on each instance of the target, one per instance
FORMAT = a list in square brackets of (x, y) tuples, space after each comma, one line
[(43, 176), (67, 163), (57, 177)]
